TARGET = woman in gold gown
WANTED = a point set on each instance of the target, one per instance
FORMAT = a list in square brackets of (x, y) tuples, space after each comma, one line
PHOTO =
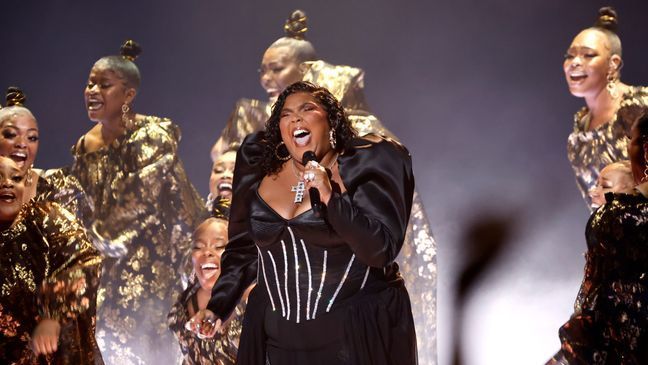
[(145, 209), (592, 69), (49, 275), (19, 140), (292, 58)]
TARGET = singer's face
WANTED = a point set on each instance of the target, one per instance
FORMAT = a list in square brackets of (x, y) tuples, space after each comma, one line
[(11, 190), (615, 178), (279, 69), (304, 126), (208, 246), (587, 63)]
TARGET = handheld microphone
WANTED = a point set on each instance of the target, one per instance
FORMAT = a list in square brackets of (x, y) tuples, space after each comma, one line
[(314, 194)]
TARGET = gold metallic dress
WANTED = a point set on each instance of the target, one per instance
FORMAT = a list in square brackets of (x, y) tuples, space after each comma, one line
[(589, 151), (219, 350), (418, 255), (48, 269), (145, 209)]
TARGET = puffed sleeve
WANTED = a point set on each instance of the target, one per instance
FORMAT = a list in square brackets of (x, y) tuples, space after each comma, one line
[(372, 216), (239, 261), (150, 190), (73, 265)]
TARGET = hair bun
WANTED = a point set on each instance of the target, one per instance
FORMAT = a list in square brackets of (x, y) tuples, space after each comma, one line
[(607, 19), (130, 50), (15, 96), (296, 26)]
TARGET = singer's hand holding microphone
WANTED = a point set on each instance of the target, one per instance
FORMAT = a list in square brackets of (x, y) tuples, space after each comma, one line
[(317, 181)]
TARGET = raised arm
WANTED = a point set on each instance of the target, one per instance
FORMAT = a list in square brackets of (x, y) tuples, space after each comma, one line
[(372, 218)]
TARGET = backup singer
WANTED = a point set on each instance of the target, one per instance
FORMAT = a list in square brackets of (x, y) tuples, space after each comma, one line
[(592, 69), (49, 275), (145, 209)]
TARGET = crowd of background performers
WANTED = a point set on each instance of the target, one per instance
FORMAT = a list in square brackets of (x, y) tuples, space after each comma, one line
[(116, 259)]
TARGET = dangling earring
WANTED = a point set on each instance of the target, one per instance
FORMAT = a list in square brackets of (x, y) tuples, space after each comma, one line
[(126, 122), (332, 138), (29, 180), (611, 86), (276, 151)]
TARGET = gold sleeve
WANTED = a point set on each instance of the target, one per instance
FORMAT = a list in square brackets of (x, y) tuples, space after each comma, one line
[(73, 265)]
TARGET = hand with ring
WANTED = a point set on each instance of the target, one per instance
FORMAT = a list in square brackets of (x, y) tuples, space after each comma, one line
[(309, 176), (316, 176), (204, 324)]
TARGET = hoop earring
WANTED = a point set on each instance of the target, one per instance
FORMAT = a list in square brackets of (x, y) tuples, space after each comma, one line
[(332, 138), (126, 121), (611, 86), (276, 152)]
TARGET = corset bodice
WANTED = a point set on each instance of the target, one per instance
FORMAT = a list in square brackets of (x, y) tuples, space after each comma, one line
[(304, 266)]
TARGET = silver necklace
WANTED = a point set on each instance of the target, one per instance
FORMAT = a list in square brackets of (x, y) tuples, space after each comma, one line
[(300, 188)]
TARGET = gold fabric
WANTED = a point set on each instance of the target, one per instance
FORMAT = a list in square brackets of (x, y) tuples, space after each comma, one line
[(56, 185), (48, 269), (418, 257), (219, 350), (590, 151), (248, 116), (145, 210)]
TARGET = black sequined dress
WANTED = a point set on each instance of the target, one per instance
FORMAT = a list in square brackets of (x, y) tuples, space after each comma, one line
[(612, 326)]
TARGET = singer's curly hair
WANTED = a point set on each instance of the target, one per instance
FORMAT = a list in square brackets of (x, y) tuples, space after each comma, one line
[(337, 120)]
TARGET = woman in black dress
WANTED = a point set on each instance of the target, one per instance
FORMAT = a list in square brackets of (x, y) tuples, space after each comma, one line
[(328, 291), (612, 324)]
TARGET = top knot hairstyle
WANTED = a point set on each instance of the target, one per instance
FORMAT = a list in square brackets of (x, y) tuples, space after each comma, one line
[(607, 19), (337, 121), (130, 50), (124, 64), (15, 99), (608, 24), (295, 28)]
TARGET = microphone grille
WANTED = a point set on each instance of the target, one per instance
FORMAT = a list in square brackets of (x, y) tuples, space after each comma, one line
[(308, 156)]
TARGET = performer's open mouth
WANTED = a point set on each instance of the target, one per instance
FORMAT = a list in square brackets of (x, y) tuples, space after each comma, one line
[(301, 137), (7, 196), (94, 104), (225, 186), (577, 76), (19, 158), (209, 269)]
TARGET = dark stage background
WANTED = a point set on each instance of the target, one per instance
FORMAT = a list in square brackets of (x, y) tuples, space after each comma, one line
[(474, 88)]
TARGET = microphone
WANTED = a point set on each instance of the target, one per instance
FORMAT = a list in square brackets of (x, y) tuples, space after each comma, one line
[(314, 194)]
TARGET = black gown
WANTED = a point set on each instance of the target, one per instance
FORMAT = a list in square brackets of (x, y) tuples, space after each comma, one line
[(328, 290), (612, 325)]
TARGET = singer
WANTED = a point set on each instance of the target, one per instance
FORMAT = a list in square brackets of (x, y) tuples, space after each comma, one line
[(328, 290)]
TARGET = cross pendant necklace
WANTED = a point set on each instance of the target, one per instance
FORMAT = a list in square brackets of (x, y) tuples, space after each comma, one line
[(299, 190)]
